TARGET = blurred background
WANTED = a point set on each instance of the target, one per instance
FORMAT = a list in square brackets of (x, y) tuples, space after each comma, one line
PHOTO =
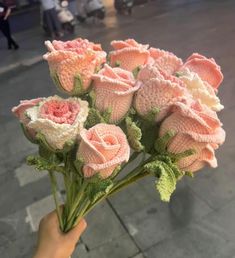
[(199, 220)]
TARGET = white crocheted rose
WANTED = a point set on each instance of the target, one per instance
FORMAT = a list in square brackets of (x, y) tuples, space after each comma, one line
[(200, 90), (58, 120)]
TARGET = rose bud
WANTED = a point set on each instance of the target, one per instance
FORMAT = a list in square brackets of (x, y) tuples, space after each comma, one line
[(103, 147), (196, 128), (72, 64), (114, 89), (128, 54)]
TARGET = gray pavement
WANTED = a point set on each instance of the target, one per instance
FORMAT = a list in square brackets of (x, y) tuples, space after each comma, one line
[(199, 220)]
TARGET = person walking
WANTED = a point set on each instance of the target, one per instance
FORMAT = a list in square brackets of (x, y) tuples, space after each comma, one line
[(5, 26), (50, 18)]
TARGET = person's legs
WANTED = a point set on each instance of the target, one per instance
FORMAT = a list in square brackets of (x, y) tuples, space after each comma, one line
[(55, 21), (48, 21), (5, 28)]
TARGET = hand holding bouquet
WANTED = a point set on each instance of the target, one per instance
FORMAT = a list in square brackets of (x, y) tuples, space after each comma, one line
[(140, 101)]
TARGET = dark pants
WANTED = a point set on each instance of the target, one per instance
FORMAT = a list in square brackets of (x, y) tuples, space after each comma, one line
[(52, 21), (5, 28)]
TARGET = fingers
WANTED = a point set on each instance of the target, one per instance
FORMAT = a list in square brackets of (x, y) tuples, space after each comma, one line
[(76, 232)]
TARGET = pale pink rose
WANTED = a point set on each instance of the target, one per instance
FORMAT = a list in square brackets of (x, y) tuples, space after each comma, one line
[(161, 94), (198, 128), (128, 54), (73, 63), (103, 148), (149, 71), (19, 112), (114, 89), (165, 61), (58, 120), (207, 69)]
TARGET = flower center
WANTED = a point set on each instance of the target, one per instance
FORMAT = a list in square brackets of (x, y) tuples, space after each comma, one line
[(60, 111)]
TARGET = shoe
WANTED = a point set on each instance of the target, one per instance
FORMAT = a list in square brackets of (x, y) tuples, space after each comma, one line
[(16, 47)]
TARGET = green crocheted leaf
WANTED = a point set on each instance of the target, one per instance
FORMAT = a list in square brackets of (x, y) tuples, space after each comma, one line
[(41, 164), (160, 144), (166, 179), (134, 135), (94, 117), (98, 187), (166, 184)]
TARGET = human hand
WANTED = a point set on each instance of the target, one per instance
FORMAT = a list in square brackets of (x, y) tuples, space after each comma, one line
[(52, 243)]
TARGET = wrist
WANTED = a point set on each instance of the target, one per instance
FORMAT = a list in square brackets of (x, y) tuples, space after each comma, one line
[(48, 254)]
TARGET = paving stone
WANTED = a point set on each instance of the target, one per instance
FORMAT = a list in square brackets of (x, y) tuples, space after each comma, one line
[(27, 174), (159, 220), (37, 210), (138, 256), (80, 251), (122, 246), (196, 241), (223, 219), (15, 237), (13, 197), (103, 226), (135, 197)]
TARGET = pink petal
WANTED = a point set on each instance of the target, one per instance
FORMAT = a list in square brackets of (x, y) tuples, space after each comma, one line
[(129, 58), (206, 68)]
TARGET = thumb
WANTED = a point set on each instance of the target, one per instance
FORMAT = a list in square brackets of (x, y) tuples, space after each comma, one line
[(76, 232)]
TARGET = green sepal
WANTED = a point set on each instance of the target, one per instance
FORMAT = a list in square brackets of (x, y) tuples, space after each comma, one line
[(46, 146), (92, 98), (107, 115), (134, 135), (41, 163), (27, 135), (98, 187), (149, 133), (78, 89), (117, 64), (43, 142), (189, 173), (178, 74), (78, 86), (115, 172), (78, 164), (94, 117), (136, 71), (152, 114), (181, 155), (160, 144)]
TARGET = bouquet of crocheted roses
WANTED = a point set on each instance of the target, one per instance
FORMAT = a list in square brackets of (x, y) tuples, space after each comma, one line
[(134, 102)]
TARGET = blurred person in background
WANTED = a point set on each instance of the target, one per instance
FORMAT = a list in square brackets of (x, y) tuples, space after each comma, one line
[(5, 26), (50, 18)]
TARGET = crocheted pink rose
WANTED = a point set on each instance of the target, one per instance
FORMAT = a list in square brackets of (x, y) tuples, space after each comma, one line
[(165, 61), (58, 120), (114, 89), (103, 147), (72, 64), (158, 93), (207, 69), (196, 127), (128, 54), (149, 71), (19, 112)]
